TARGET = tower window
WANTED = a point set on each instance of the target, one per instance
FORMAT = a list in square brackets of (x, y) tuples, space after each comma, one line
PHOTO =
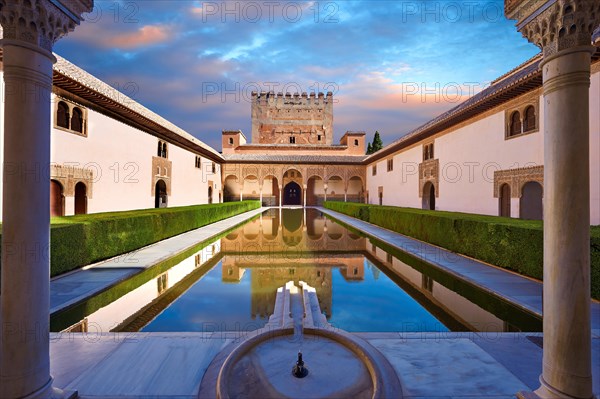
[(292, 140), (319, 137)]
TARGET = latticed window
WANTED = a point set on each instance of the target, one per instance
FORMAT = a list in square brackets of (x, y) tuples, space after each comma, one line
[(515, 124), (529, 123), (62, 115), (77, 120)]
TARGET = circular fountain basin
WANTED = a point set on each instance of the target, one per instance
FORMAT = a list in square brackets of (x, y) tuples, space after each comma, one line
[(339, 364)]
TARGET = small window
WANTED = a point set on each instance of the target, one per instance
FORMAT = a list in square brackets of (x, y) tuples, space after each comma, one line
[(231, 141), (428, 152), (529, 122), (356, 143), (390, 165), (292, 140), (515, 124), (164, 150), (374, 170), (77, 120), (319, 137), (159, 151), (62, 115), (214, 168)]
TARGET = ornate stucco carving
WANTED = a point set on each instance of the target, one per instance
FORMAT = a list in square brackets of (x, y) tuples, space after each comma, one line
[(68, 176), (556, 26), (429, 171), (516, 179), (41, 22)]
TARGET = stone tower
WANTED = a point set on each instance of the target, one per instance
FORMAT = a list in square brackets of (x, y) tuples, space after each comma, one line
[(292, 119)]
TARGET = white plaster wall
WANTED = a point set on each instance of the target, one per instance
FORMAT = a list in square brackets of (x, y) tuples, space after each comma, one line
[(470, 155), (121, 158), (400, 186), (468, 158)]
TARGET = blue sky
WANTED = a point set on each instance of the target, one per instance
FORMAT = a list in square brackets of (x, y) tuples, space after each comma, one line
[(392, 65)]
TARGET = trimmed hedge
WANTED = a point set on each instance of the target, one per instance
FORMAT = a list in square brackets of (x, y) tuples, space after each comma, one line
[(77, 241), (513, 244)]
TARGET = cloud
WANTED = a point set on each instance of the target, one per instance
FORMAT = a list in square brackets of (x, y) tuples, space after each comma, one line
[(393, 68), (145, 36)]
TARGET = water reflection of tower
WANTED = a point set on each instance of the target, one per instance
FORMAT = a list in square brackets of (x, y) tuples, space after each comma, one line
[(354, 269), (230, 271), (265, 281)]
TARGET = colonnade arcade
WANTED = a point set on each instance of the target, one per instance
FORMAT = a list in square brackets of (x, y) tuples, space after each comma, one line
[(302, 185)]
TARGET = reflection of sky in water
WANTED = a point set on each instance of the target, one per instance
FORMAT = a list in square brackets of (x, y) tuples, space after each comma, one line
[(210, 305), (373, 304), (377, 304)]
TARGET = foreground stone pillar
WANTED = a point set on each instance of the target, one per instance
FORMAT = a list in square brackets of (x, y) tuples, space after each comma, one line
[(261, 196), (30, 27), (563, 30), (345, 196)]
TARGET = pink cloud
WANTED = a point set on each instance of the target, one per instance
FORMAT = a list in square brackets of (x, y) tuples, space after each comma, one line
[(145, 36)]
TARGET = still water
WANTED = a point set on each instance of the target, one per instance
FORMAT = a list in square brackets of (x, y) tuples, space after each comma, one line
[(231, 284)]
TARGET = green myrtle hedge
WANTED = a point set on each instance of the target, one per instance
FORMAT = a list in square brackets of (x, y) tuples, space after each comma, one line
[(510, 243), (77, 241)]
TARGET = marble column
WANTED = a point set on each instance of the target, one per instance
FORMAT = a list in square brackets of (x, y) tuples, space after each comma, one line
[(261, 195), (325, 192), (563, 29), (345, 196), (30, 27), (280, 195), (241, 193), (304, 196)]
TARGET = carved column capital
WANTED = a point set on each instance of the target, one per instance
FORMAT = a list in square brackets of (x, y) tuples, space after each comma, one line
[(41, 22), (555, 26)]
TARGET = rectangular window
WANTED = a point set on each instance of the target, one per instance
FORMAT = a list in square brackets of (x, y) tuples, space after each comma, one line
[(319, 137), (374, 170), (292, 140), (214, 168), (428, 152), (390, 165)]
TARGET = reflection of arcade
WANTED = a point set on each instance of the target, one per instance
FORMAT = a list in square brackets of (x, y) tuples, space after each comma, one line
[(271, 272), (302, 230)]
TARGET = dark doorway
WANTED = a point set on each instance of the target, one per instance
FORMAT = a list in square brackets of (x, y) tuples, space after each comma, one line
[(160, 195), (210, 194), (292, 194), (57, 199), (505, 200), (80, 199), (531, 201), (428, 201)]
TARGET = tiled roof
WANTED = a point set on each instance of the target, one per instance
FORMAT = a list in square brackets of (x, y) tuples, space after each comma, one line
[(77, 81), (326, 159)]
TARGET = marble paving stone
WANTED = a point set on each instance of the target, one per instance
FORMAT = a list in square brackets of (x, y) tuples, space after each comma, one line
[(72, 354), (516, 353), (450, 367), (155, 366)]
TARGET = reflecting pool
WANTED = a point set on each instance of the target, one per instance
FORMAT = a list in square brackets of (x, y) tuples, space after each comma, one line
[(231, 283)]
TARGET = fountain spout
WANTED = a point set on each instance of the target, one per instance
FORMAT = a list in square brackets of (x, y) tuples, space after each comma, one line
[(299, 371)]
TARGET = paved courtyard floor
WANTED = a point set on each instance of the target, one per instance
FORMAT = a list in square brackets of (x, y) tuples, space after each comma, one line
[(429, 365)]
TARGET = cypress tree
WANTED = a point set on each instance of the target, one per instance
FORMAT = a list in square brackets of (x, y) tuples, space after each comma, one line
[(377, 143)]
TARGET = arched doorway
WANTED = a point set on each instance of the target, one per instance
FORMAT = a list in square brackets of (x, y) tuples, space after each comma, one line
[(210, 195), (80, 199), (160, 194), (504, 200), (428, 201), (292, 194), (57, 199), (530, 204)]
